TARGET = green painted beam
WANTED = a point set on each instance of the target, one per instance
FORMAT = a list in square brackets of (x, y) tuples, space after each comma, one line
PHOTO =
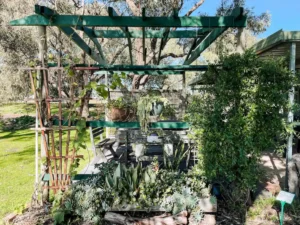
[(81, 43), (137, 67), (89, 32), (149, 72), (78, 177), (151, 33), (129, 44), (131, 21), (163, 42), (191, 48), (101, 123), (125, 31), (49, 13), (32, 20), (237, 14)]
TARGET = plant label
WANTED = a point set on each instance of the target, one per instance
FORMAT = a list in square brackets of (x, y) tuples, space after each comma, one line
[(284, 196)]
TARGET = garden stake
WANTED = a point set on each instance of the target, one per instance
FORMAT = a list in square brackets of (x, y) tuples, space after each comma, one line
[(284, 197)]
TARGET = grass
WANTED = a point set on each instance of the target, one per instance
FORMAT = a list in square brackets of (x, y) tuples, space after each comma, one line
[(17, 108), (17, 161), (96, 109), (17, 173)]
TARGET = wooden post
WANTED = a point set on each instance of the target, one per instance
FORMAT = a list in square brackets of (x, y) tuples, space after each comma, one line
[(289, 152), (42, 43)]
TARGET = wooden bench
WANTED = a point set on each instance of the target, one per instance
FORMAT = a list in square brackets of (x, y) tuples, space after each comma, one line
[(101, 146)]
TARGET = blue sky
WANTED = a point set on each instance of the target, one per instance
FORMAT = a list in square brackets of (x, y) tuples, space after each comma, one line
[(284, 14)]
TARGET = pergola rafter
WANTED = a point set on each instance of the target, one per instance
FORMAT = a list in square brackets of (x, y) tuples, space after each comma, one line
[(208, 29)]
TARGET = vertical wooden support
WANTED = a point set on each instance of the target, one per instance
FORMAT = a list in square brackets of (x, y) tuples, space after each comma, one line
[(289, 152), (40, 85), (107, 130), (42, 43)]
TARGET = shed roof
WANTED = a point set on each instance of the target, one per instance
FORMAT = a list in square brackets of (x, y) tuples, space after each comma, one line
[(278, 45)]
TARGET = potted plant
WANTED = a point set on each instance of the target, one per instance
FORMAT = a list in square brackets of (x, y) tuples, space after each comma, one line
[(148, 105), (120, 109)]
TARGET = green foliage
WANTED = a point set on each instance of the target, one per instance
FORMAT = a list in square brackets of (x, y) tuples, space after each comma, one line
[(118, 186), (239, 116), (121, 103), (144, 108), (184, 200), (125, 182), (172, 163), (22, 122), (168, 112)]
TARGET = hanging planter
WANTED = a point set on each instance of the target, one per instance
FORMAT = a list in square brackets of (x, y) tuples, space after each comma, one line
[(120, 110), (118, 114)]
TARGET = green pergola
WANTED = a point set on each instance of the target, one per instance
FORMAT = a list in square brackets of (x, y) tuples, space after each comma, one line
[(203, 29)]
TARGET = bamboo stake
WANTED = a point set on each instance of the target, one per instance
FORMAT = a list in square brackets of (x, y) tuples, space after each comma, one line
[(50, 125), (67, 178), (41, 125)]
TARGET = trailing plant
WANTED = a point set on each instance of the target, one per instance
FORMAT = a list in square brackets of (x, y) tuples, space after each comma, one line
[(120, 103), (239, 116), (144, 108), (168, 112)]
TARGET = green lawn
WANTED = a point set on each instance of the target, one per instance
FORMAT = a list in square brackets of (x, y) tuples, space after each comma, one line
[(17, 108), (17, 169), (17, 173)]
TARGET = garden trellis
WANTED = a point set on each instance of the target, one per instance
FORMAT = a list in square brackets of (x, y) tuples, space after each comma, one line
[(204, 30)]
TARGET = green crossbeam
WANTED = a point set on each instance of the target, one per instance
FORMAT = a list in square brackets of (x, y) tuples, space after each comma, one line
[(49, 14), (237, 14), (89, 32), (138, 67), (78, 177), (101, 123), (151, 33), (112, 13), (151, 73), (131, 21)]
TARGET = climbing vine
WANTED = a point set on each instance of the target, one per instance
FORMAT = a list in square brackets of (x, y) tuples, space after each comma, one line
[(241, 114)]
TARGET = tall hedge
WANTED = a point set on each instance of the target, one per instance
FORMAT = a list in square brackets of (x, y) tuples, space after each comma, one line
[(240, 115)]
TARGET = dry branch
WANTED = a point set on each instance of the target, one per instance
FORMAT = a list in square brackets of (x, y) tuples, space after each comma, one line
[(196, 6)]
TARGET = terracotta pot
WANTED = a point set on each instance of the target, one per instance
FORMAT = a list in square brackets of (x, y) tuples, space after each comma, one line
[(116, 114)]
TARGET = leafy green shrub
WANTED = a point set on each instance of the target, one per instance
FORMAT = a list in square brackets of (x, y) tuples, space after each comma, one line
[(239, 116), (22, 122), (121, 103), (118, 186)]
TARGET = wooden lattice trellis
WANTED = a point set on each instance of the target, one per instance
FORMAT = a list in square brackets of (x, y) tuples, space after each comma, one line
[(58, 157)]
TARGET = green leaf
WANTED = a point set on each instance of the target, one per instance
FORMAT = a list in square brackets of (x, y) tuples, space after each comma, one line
[(59, 217)]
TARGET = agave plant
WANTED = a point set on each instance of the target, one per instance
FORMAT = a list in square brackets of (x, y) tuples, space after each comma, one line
[(173, 162), (125, 181)]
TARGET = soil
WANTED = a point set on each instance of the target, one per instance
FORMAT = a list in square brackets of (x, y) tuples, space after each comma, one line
[(34, 216)]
